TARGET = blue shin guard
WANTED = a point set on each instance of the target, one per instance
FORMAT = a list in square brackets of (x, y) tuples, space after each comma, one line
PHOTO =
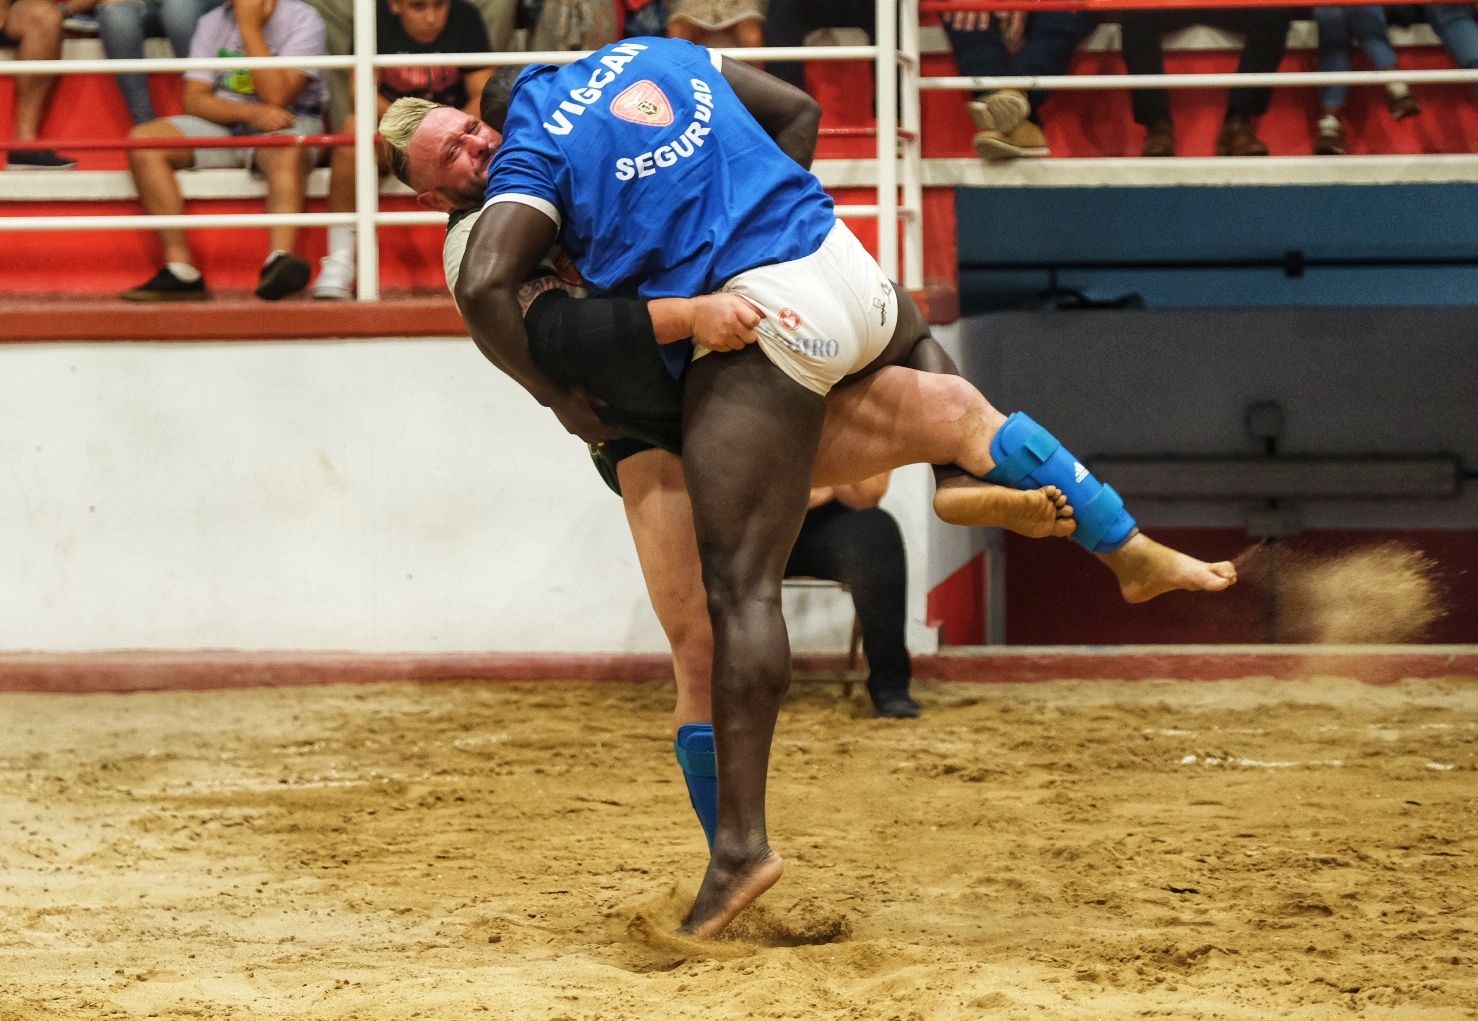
[(1029, 457), (695, 754)]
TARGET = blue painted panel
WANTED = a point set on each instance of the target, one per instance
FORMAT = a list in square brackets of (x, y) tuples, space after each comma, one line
[(1111, 225)]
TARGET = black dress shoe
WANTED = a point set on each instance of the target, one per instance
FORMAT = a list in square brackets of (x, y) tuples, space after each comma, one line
[(895, 707)]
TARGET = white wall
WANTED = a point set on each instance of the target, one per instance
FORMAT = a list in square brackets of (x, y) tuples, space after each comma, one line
[(369, 495)]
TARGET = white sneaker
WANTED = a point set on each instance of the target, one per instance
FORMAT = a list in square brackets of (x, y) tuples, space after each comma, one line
[(335, 279)]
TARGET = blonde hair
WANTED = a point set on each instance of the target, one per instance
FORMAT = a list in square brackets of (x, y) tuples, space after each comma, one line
[(401, 122)]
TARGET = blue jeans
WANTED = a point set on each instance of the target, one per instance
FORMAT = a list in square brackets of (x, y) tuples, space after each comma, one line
[(1456, 27), (124, 24), (1051, 39), (1338, 27)]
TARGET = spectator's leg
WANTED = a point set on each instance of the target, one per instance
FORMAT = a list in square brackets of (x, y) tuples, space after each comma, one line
[(154, 179), (1334, 52), (981, 52), (1266, 31), (122, 27), (1052, 37), (1456, 27), (1368, 26), (863, 549), (787, 24), (336, 269), (1140, 46), (286, 173), (36, 25)]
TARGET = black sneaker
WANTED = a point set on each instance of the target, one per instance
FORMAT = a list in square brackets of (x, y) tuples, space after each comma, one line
[(285, 274), (165, 286), (40, 159)]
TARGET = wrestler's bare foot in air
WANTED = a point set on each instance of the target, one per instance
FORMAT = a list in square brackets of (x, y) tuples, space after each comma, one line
[(729, 889), (1146, 569), (1034, 513)]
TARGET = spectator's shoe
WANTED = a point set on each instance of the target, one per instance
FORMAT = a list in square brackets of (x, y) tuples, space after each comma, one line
[(165, 286), (1403, 106), (1330, 141), (81, 24), (1025, 142), (895, 705), (40, 159), (1000, 111), (1237, 139), (284, 274), (335, 279), (1159, 140)]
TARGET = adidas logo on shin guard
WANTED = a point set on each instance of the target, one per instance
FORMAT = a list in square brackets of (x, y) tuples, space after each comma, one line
[(1079, 472)]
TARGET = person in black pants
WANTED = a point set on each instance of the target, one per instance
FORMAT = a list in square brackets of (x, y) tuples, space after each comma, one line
[(1265, 30), (790, 21), (847, 537)]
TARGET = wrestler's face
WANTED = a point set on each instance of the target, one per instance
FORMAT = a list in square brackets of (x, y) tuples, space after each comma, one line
[(447, 159), (423, 20)]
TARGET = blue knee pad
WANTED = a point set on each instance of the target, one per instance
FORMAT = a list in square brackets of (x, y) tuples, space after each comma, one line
[(695, 754), (1029, 457)]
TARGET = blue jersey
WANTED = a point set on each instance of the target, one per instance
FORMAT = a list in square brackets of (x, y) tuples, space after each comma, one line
[(661, 182)]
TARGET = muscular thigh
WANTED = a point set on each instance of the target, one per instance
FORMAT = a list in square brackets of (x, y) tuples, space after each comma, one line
[(749, 440)]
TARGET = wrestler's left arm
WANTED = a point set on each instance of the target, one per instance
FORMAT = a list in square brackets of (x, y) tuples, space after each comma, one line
[(504, 246)]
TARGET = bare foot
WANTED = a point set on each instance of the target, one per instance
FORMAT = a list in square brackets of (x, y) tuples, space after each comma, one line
[(726, 891), (1034, 513), (1146, 569)]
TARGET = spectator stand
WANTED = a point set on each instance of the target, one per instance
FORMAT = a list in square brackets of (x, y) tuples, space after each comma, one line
[(899, 163)]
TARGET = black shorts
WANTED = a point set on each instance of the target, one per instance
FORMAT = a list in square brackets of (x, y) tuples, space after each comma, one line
[(606, 346)]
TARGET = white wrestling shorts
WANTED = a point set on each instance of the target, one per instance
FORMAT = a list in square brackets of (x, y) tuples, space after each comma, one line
[(826, 316)]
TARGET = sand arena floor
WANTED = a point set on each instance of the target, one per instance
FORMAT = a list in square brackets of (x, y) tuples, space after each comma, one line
[(1231, 850)]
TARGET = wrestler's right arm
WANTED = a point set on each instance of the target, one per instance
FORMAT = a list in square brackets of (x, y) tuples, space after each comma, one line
[(503, 248)]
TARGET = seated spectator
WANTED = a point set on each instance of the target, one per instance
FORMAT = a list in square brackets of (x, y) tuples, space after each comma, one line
[(574, 25), (789, 22), (718, 22), (1011, 44), (406, 26), (123, 25), (1265, 32), (847, 537), (1339, 27), (219, 104), (34, 28)]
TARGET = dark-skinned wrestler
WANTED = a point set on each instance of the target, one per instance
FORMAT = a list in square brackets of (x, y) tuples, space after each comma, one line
[(752, 416)]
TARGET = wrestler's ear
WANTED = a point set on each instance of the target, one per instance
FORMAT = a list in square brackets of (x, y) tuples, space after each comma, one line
[(434, 200)]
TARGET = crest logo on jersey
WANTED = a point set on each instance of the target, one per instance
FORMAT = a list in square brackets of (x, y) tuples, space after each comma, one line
[(643, 103), (790, 319)]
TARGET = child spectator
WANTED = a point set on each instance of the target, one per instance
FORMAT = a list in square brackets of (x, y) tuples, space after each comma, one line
[(219, 104), (1011, 44), (1338, 28), (1265, 31), (405, 26), (34, 28), (123, 25)]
